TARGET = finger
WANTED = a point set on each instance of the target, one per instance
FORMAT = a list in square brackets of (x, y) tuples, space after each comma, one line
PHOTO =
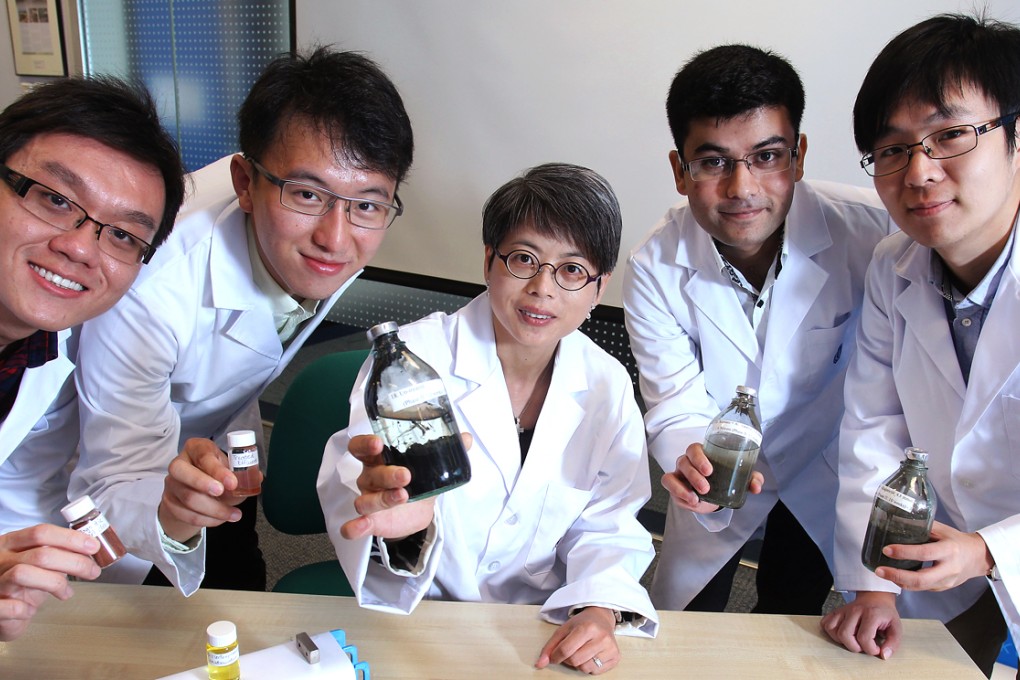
[(757, 482), (893, 633), (183, 471), (383, 478), (679, 491), (695, 455), (693, 476), (367, 448), (467, 439), (47, 573), (544, 656), (371, 503), (49, 535)]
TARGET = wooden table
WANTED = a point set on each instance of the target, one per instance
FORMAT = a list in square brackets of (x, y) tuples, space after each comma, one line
[(118, 631)]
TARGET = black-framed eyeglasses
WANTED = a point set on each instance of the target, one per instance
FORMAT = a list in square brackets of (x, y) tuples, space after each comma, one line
[(761, 162), (59, 211), (309, 199), (949, 142), (524, 264)]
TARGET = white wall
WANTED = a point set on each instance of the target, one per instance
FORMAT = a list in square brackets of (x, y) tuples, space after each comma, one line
[(495, 87)]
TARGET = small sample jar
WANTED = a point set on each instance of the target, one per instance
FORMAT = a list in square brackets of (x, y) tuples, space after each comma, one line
[(244, 462), (222, 654), (83, 515)]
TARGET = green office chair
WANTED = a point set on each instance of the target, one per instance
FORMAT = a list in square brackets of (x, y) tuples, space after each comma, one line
[(314, 407)]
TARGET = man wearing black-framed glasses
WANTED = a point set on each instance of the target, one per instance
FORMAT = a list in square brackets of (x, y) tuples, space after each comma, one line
[(939, 365), (755, 280), (268, 241), (68, 147)]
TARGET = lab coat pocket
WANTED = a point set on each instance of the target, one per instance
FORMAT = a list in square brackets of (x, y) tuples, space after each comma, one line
[(560, 509), (1011, 419), (823, 352)]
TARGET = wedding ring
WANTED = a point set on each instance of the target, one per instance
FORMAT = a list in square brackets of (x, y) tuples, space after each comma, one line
[(597, 661)]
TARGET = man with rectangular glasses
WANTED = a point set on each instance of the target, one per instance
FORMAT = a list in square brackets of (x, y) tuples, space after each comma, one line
[(268, 241), (938, 363), (756, 279), (90, 184)]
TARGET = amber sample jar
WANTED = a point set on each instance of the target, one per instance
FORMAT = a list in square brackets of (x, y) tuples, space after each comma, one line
[(244, 462), (83, 515)]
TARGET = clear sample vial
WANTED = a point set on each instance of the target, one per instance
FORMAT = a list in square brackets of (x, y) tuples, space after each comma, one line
[(83, 515), (244, 462), (222, 654)]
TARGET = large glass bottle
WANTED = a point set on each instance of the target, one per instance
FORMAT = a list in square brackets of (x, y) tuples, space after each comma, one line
[(732, 442), (409, 409), (903, 512)]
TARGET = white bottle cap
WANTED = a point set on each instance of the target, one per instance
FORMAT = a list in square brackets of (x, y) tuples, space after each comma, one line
[(78, 508), (240, 438), (221, 633), (744, 389), (381, 329)]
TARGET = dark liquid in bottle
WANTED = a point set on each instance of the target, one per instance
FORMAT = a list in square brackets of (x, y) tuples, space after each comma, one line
[(733, 460), (894, 531), (436, 466)]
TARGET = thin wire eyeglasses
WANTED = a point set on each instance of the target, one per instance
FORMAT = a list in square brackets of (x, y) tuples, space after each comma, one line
[(763, 162), (524, 264), (60, 212), (309, 199), (940, 145)]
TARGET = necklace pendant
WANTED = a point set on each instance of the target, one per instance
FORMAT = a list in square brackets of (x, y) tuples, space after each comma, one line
[(517, 423)]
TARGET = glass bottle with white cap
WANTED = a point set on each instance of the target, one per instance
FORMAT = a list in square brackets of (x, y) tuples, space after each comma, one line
[(903, 512), (732, 442)]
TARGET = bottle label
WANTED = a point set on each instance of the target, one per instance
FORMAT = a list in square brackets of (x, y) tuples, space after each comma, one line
[(407, 397), (97, 527), (896, 498), (243, 458), (224, 658), (735, 428)]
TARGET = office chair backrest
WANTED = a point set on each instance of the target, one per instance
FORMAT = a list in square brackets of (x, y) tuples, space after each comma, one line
[(314, 407)]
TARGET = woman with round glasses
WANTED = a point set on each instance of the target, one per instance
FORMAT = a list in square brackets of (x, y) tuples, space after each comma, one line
[(559, 468)]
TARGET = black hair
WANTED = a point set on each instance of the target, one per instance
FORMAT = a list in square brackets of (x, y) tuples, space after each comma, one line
[(934, 59), (113, 112), (345, 95), (563, 201), (727, 81)]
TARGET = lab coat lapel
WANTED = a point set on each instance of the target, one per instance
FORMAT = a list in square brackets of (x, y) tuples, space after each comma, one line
[(801, 280), (998, 351), (711, 292), (233, 288), (919, 306), (487, 405)]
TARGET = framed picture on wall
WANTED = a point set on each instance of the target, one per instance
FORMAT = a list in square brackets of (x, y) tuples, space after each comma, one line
[(37, 37)]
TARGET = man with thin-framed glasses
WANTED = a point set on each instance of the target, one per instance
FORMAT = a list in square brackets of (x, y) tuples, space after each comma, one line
[(268, 241), (90, 184), (938, 364), (756, 280)]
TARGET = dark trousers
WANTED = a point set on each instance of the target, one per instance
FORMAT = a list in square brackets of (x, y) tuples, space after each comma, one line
[(233, 560), (792, 576), (981, 630)]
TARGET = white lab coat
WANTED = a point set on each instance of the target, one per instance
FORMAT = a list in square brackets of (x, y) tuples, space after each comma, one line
[(561, 530), (186, 353), (38, 440), (694, 344), (905, 388)]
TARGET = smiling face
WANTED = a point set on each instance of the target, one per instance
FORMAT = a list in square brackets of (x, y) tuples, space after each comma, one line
[(537, 313), (311, 257), (55, 279), (743, 210), (962, 207)]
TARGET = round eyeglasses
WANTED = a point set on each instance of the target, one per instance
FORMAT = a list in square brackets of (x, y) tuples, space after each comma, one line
[(761, 162), (309, 199), (949, 142), (524, 264), (57, 210)]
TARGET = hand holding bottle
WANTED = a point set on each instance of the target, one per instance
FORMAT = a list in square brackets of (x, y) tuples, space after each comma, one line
[(690, 480), (955, 557), (382, 506), (195, 492)]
